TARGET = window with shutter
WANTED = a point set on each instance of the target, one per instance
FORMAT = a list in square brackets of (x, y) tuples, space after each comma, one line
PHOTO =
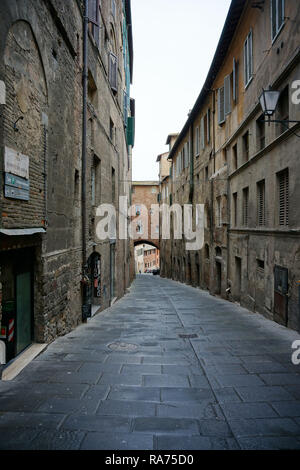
[(113, 8), (113, 71), (186, 155), (219, 212), (248, 59), (261, 211), (221, 113), (234, 157), (208, 126), (261, 133), (227, 95), (283, 197), (197, 141), (94, 17), (235, 80), (92, 10), (246, 146), (202, 134), (245, 206), (234, 215), (277, 16), (125, 107)]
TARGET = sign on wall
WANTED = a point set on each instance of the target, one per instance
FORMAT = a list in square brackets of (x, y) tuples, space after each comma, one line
[(16, 193), (16, 163), (16, 181)]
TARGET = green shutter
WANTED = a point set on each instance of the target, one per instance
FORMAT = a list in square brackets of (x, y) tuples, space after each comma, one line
[(130, 131)]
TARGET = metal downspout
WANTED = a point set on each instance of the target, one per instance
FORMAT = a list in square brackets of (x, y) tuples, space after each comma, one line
[(84, 143)]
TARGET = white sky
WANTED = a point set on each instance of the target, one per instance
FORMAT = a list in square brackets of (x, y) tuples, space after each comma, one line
[(174, 43)]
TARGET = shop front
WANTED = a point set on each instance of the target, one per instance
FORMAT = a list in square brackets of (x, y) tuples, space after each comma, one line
[(17, 320)]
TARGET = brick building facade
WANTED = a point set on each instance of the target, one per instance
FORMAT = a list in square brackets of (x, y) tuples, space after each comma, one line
[(41, 243)]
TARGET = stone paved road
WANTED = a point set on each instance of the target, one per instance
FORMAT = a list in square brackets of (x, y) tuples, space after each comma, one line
[(231, 386)]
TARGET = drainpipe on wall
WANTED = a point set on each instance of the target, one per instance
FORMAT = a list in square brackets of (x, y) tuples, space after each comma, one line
[(214, 170), (45, 177), (83, 169), (191, 195)]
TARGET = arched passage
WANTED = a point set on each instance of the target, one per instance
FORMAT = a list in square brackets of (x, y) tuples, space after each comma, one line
[(147, 256)]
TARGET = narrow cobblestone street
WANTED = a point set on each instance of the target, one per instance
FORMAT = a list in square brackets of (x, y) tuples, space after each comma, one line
[(166, 367)]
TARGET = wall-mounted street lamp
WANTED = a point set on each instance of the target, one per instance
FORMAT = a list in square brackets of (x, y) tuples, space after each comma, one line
[(269, 101), (15, 123)]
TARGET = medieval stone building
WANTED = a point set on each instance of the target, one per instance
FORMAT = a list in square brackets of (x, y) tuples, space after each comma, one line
[(243, 170), (47, 189)]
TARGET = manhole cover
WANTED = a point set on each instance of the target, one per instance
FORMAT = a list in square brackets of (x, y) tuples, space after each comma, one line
[(124, 347), (188, 336)]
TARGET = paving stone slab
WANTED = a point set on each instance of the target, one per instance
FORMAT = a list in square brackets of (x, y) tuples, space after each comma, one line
[(195, 395), (215, 428), (166, 380), (287, 409), (159, 425), (293, 390), (227, 395), (117, 441), (97, 423), (97, 368), (184, 370), (239, 380), (120, 379), (248, 410), (96, 392), (12, 440), (148, 394), (30, 420), (143, 369), (126, 408), (69, 405), (189, 410), (269, 443), (57, 440), (264, 367), (264, 393), (166, 442), (264, 426), (81, 377), (281, 379)]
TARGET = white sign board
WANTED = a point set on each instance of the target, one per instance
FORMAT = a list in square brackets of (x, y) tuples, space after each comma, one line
[(16, 163), (2, 92)]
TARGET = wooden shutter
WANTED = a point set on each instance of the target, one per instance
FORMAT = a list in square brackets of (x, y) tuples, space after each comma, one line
[(197, 141), (186, 155), (130, 131), (261, 217), (221, 114), (202, 134), (245, 206), (208, 126), (113, 8), (92, 10), (250, 54), (283, 186), (227, 95), (248, 58), (113, 71), (125, 107), (235, 209), (234, 80)]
